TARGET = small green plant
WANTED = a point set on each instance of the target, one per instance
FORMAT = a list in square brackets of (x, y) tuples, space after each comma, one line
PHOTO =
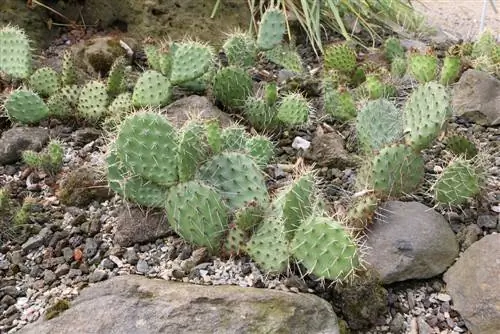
[(50, 160)]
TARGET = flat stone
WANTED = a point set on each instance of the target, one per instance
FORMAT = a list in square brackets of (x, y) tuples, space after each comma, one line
[(135, 304), (409, 240), (16, 140), (473, 283), (476, 96), (138, 226), (328, 150)]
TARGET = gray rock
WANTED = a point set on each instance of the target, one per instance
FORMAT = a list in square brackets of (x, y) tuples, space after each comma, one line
[(487, 221), (91, 248), (38, 240), (131, 256), (49, 277), (142, 266), (138, 226), (62, 269), (184, 109), (477, 96), (98, 275), (67, 254), (328, 150), (134, 304), (410, 241), (7, 300), (473, 283), (397, 324), (16, 140), (85, 135)]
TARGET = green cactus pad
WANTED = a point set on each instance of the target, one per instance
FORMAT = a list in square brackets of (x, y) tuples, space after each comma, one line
[(458, 183), (293, 110), (286, 57), (59, 106), (338, 104), (147, 145), (450, 72), (190, 61), (258, 113), (397, 170), (376, 89), (249, 217), (340, 57), (45, 81), (15, 53), (261, 149), (423, 67), (69, 75), (269, 247), (26, 107), (393, 49), (237, 178), (398, 67), (153, 56), (234, 138), (240, 50), (116, 83), (324, 247), (484, 46), (378, 124), (152, 89), (214, 135), (121, 105), (425, 113), (272, 28), (133, 187), (270, 93), (192, 151), (71, 94), (235, 242), (232, 86), (93, 101), (361, 211), (461, 146), (196, 212)]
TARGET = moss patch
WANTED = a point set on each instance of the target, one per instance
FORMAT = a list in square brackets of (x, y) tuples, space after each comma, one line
[(60, 306)]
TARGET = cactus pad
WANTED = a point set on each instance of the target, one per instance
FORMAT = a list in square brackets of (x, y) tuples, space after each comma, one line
[(147, 146), (286, 57), (397, 170), (450, 71), (258, 113), (461, 146), (458, 182), (240, 50), (271, 29), (196, 212), (338, 104), (237, 178), (69, 75), (340, 57), (45, 81), (393, 49), (293, 110), (152, 89), (26, 107), (192, 151), (116, 83), (423, 67), (232, 86), (190, 60), (324, 247), (93, 101), (425, 113), (398, 67), (260, 148), (15, 53)]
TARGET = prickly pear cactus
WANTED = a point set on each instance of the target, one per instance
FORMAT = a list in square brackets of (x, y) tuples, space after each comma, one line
[(240, 49), (258, 113), (423, 67), (116, 83), (45, 81), (272, 28), (361, 212), (378, 123), (93, 101), (26, 107), (286, 57), (71, 94), (15, 53), (190, 60), (192, 151), (393, 49), (133, 187), (234, 138), (232, 86), (69, 74), (425, 113), (485, 45), (461, 146), (261, 149), (376, 89), (235, 242), (147, 146), (152, 89), (269, 247), (398, 67), (450, 72), (459, 182), (153, 56), (340, 57), (338, 103), (397, 170), (293, 110), (196, 212), (326, 249), (236, 177), (59, 106), (120, 106), (270, 93)]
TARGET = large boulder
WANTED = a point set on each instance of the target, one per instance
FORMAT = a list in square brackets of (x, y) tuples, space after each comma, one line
[(134, 304), (474, 284), (476, 96), (409, 240)]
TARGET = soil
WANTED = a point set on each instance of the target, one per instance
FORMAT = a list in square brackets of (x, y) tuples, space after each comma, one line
[(460, 19)]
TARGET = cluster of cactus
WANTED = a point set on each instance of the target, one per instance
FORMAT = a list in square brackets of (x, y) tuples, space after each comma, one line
[(271, 110), (485, 53), (211, 183), (49, 160)]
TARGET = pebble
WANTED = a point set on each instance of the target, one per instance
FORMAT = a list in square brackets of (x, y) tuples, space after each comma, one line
[(142, 266)]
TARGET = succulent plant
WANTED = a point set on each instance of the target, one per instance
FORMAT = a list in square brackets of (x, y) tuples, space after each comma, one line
[(424, 67), (398, 67), (461, 146), (258, 113), (293, 110), (192, 150), (287, 57), (152, 89), (50, 160), (338, 103), (393, 49), (45, 81), (272, 28), (232, 86), (459, 182), (190, 60), (26, 107), (69, 74), (116, 83), (450, 71), (240, 49), (93, 101), (340, 57), (375, 88), (361, 211), (15, 53), (425, 113)]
